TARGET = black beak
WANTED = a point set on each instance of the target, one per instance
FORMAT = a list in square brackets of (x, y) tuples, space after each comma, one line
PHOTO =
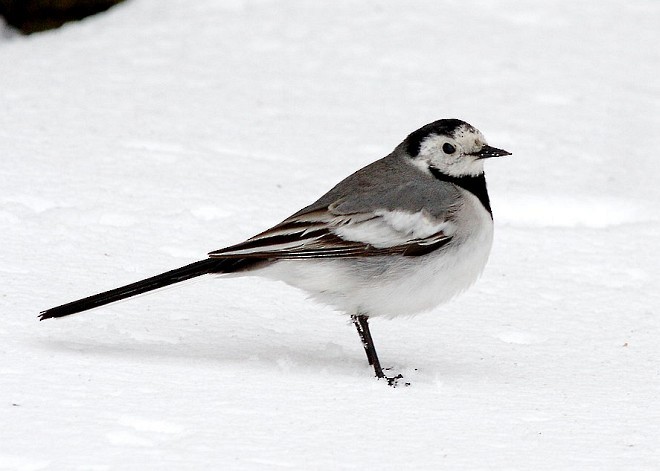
[(487, 152)]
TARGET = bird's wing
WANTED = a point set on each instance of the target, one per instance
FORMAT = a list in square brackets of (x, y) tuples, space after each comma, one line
[(387, 207), (328, 233)]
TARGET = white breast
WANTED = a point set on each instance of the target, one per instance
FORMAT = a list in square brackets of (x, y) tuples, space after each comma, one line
[(397, 285)]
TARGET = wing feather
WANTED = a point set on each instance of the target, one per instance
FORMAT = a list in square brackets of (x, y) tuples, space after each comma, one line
[(323, 234)]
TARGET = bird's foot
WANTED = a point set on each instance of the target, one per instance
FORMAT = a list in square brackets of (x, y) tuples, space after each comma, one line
[(394, 380)]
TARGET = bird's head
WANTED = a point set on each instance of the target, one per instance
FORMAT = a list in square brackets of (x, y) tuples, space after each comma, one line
[(450, 146)]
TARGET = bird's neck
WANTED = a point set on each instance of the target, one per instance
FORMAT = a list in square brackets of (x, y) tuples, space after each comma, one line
[(474, 184)]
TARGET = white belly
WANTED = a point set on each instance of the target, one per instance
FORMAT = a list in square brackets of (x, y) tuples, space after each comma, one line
[(396, 285)]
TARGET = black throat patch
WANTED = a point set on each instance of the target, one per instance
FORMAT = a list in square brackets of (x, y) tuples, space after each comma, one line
[(475, 185)]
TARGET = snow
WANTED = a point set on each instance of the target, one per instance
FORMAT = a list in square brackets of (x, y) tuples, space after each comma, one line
[(138, 140)]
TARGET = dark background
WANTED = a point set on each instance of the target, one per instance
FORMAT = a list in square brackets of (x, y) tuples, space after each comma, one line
[(31, 16)]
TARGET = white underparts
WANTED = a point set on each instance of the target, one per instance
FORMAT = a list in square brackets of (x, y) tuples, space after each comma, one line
[(396, 285)]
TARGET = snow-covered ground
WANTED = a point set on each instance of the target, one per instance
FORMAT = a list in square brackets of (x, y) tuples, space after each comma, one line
[(138, 140)]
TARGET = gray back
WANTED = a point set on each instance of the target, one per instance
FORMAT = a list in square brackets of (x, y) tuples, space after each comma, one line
[(391, 183)]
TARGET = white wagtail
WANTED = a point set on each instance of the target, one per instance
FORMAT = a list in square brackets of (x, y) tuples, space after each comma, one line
[(398, 237)]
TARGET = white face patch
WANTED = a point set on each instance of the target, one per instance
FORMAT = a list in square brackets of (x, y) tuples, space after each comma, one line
[(465, 141)]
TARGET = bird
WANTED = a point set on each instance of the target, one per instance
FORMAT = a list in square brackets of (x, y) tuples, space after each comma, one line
[(400, 236)]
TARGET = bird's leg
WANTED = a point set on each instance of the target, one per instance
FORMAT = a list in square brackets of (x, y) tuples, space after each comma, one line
[(362, 325)]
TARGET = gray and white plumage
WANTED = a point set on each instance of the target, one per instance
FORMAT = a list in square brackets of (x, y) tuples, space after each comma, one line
[(400, 236), (391, 239)]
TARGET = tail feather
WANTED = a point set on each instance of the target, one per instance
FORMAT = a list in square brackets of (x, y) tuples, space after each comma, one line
[(210, 265)]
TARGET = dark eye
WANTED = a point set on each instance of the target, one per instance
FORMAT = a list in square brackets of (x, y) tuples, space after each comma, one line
[(447, 148)]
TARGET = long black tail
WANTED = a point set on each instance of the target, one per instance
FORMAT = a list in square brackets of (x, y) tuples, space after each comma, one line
[(210, 265)]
